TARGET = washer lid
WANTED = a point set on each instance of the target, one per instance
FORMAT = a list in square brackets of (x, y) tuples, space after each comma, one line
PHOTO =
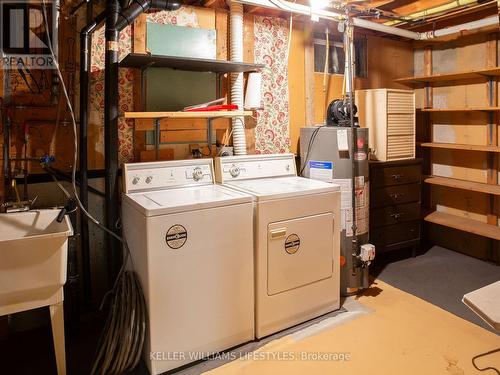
[(185, 199), (283, 187)]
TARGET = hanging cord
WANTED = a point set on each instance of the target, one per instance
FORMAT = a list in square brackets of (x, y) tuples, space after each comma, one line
[(122, 339), (484, 355), (325, 70), (309, 147), (289, 38)]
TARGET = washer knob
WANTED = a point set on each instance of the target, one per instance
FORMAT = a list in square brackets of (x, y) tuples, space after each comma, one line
[(149, 179), (135, 180), (234, 171), (197, 174)]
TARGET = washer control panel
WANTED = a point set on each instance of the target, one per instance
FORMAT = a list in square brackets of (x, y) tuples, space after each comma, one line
[(230, 168), (167, 174)]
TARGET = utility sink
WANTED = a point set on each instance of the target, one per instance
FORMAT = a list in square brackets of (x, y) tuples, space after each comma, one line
[(33, 259)]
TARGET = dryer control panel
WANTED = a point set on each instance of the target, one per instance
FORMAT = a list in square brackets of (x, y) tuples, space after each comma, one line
[(166, 174), (232, 168)]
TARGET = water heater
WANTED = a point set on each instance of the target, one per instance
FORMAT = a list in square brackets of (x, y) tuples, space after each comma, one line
[(327, 154)]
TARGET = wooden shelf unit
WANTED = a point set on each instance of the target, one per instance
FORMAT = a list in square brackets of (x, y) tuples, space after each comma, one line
[(451, 77), (464, 147), (464, 224), (489, 76), (464, 185), (186, 115), (471, 109)]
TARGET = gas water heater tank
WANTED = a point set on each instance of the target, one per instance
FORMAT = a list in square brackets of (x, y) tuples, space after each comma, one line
[(326, 154)]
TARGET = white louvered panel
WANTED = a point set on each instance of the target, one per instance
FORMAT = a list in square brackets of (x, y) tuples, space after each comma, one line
[(399, 147), (400, 102), (400, 124), (389, 114)]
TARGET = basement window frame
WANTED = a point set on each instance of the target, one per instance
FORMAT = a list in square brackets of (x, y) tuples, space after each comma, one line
[(337, 47)]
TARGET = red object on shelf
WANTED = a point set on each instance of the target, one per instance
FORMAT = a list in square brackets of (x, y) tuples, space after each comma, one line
[(221, 107)]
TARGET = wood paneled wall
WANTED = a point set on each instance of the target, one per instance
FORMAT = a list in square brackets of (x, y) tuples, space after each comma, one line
[(388, 59)]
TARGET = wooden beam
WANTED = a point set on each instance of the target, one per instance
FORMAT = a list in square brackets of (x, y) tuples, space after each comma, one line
[(309, 73), (139, 34)]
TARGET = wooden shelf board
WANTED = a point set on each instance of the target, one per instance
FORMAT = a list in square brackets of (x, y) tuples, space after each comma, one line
[(457, 146), (186, 115), (449, 77), (464, 224), (140, 60), (464, 185), (472, 109)]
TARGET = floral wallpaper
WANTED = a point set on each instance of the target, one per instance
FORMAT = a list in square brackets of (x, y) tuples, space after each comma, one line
[(271, 38), (182, 17), (270, 45)]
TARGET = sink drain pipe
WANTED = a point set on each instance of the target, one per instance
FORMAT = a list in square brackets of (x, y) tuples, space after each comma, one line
[(116, 20)]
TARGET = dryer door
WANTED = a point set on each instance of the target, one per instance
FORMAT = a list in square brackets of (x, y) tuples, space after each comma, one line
[(299, 252)]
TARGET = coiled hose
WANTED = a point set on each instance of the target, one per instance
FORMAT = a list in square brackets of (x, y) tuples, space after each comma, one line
[(120, 345)]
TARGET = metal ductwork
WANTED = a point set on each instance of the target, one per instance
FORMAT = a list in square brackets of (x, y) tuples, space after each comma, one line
[(116, 20)]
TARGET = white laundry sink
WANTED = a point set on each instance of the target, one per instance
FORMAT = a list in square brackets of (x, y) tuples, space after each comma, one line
[(33, 259)]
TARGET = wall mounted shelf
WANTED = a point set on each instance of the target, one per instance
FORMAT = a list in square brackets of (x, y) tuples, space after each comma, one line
[(457, 146), (464, 185), (186, 115), (140, 60), (464, 224), (158, 116), (451, 77), (471, 109)]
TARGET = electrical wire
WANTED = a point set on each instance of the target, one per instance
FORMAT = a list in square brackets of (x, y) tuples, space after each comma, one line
[(73, 120), (309, 147), (224, 145), (121, 342), (484, 355), (289, 38), (325, 70)]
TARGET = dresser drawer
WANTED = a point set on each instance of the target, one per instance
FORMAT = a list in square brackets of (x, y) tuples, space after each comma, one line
[(392, 234), (399, 175), (391, 215), (394, 195)]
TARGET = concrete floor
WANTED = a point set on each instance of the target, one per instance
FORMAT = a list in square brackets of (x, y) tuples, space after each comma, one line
[(438, 276)]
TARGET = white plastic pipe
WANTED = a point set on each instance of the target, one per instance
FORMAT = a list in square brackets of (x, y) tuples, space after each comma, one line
[(337, 15), (490, 21), (236, 54)]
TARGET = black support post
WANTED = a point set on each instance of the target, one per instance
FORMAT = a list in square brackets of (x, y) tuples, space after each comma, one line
[(85, 53), (111, 136)]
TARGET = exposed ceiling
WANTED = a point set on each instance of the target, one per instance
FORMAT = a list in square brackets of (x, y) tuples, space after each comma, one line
[(421, 15)]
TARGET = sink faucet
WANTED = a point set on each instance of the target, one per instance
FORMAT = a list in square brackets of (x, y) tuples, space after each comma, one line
[(18, 205)]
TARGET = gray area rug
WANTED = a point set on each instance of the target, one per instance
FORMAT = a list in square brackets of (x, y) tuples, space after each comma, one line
[(441, 277)]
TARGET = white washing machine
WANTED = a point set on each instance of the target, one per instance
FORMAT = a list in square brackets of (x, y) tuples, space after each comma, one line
[(296, 238), (192, 246)]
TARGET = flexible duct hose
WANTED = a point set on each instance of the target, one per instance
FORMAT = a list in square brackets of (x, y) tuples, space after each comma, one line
[(236, 54)]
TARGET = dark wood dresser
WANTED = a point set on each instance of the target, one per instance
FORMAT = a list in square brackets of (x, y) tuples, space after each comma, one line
[(395, 190)]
